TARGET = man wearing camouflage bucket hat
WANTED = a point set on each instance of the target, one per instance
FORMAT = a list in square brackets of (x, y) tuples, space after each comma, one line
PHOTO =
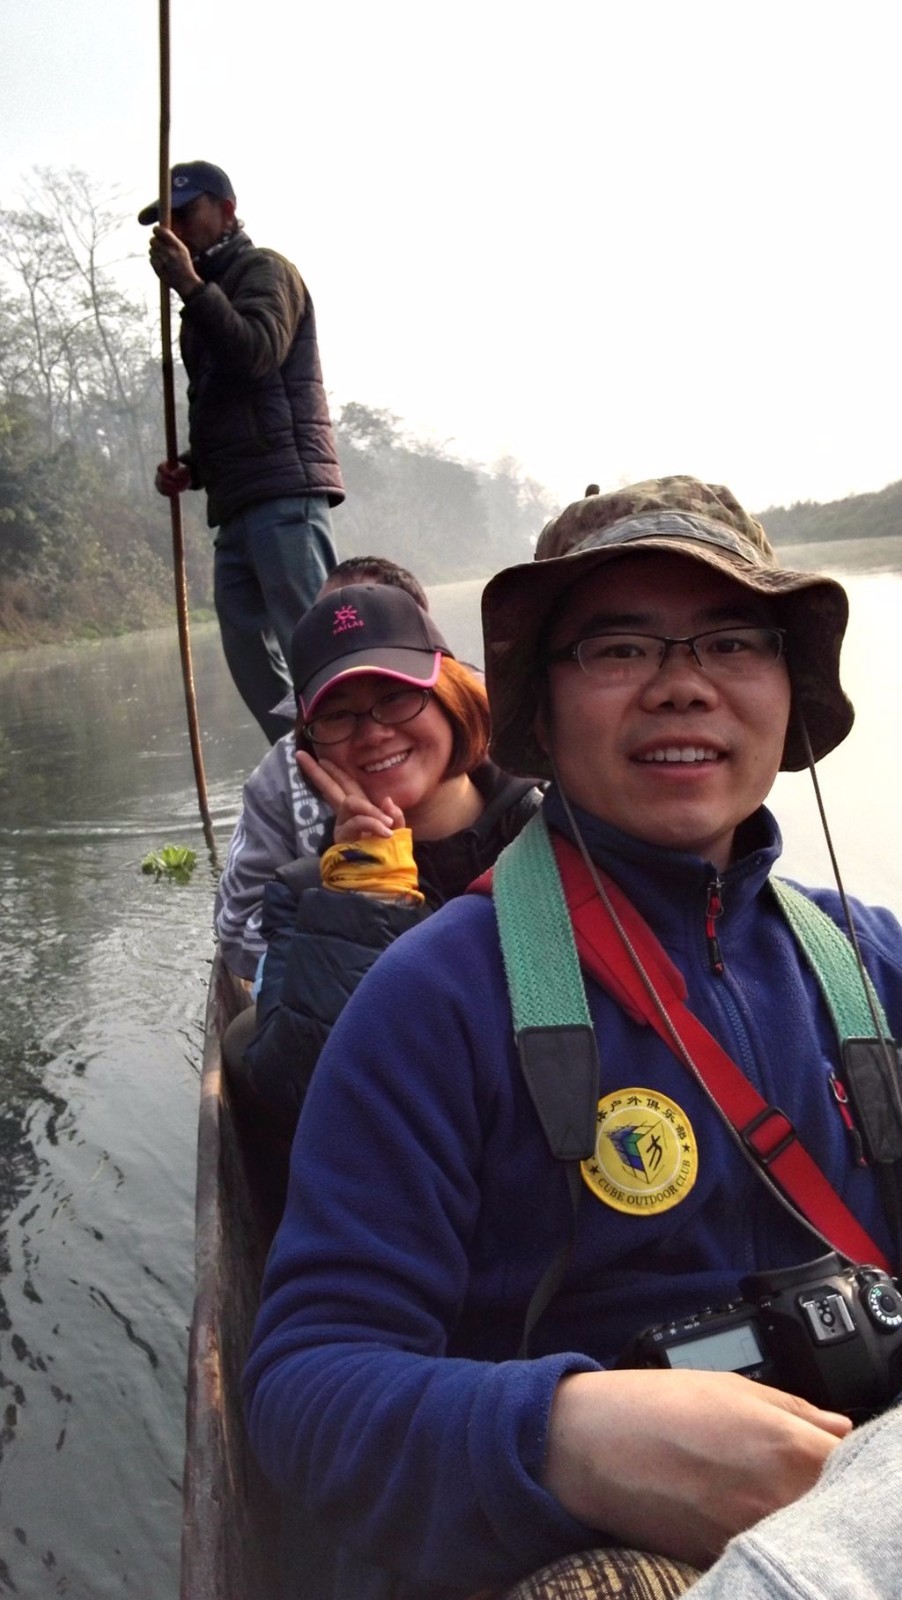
[(682, 516), (659, 666)]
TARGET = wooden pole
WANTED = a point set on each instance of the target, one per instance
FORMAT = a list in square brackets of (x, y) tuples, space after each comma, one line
[(172, 453)]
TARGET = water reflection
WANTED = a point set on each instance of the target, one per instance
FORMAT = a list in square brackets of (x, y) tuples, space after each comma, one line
[(104, 977), (104, 973)]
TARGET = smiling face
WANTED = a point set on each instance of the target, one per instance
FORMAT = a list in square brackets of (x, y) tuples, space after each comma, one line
[(405, 762), (679, 760)]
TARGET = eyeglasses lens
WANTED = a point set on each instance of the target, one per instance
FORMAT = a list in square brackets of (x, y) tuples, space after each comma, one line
[(721, 653), (334, 726)]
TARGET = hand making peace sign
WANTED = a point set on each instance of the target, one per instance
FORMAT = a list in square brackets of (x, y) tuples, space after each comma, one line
[(356, 816)]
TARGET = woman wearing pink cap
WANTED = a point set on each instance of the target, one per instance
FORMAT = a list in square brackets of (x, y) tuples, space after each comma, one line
[(393, 732)]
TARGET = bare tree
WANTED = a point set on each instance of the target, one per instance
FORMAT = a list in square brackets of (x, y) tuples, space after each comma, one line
[(87, 222), (30, 249), (70, 339)]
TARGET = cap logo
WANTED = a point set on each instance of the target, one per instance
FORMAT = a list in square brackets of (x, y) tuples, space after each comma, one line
[(180, 181), (346, 618)]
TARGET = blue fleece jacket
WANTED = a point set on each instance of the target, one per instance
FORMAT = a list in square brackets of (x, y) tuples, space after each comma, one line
[(382, 1388)]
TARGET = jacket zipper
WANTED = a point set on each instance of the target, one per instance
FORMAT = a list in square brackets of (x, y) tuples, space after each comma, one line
[(840, 1095), (713, 910)]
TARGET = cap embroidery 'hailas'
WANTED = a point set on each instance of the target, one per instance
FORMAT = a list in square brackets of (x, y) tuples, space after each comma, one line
[(346, 618)]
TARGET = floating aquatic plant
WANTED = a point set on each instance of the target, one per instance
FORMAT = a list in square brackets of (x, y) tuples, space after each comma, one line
[(175, 862)]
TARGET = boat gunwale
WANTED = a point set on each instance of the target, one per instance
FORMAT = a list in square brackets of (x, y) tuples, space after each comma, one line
[(230, 1514)]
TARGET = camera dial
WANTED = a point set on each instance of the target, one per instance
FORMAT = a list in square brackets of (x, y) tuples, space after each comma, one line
[(883, 1305)]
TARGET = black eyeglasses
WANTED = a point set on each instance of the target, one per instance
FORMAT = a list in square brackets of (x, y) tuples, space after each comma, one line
[(624, 658), (402, 705)]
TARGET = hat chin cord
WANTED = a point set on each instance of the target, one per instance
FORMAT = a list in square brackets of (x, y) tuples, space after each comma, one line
[(847, 909)]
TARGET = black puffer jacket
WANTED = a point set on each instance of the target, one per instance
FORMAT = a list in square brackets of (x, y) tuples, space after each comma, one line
[(258, 419), (320, 943)]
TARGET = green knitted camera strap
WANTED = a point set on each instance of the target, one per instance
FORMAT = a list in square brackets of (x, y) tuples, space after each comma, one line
[(832, 959), (868, 1092), (555, 1038), (542, 966)]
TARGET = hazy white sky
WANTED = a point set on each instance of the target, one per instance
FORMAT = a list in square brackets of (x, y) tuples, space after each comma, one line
[(610, 239)]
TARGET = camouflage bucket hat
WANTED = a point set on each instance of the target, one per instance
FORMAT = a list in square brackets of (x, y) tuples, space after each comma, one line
[(679, 516)]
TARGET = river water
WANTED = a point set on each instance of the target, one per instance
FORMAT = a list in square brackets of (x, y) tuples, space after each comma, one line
[(104, 974)]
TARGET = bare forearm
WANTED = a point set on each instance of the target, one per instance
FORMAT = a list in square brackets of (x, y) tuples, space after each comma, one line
[(679, 1462)]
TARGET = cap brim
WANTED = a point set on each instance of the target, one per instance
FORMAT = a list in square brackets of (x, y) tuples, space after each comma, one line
[(419, 667), (517, 606), (151, 213)]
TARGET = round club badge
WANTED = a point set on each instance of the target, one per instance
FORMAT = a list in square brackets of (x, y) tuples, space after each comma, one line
[(646, 1155)]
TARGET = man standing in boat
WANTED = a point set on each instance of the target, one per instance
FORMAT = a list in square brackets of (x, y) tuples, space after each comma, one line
[(260, 437), (482, 1220)]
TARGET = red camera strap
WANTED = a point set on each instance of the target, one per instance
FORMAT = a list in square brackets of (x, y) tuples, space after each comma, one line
[(766, 1132)]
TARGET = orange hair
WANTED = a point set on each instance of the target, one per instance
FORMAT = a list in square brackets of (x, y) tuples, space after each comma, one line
[(465, 703)]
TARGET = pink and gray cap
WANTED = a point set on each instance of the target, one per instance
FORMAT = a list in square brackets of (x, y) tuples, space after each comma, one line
[(363, 627)]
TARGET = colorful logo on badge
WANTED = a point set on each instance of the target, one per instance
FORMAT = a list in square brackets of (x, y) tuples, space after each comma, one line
[(646, 1154)]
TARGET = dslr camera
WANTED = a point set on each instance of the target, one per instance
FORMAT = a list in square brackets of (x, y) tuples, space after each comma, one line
[(829, 1332)]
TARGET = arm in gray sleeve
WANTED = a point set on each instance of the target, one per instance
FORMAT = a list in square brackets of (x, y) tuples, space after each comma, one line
[(281, 819), (842, 1538)]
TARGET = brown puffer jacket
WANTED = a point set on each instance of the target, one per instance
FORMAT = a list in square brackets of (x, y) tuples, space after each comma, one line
[(258, 420)]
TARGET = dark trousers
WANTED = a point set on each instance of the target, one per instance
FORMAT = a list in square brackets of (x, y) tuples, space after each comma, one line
[(271, 561)]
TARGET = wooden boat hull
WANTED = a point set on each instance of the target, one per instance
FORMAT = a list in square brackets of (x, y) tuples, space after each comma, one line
[(230, 1518)]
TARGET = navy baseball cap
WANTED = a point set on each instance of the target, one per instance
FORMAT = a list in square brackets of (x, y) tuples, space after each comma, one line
[(365, 627), (190, 179)]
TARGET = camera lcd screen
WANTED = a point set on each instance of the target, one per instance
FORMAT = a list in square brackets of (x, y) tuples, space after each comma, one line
[(729, 1350)]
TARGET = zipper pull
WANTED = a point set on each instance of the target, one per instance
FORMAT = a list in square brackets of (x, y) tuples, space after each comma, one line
[(841, 1097), (713, 910)]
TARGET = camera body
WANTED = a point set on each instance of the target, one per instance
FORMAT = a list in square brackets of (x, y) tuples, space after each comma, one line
[(826, 1331)]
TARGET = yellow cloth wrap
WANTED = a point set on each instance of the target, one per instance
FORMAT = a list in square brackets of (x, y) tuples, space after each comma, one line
[(381, 867)]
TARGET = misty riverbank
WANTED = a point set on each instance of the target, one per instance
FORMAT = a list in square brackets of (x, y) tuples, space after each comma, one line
[(826, 555), (844, 555)]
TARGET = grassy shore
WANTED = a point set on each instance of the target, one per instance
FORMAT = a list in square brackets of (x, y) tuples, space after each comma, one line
[(844, 555), (836, 556)]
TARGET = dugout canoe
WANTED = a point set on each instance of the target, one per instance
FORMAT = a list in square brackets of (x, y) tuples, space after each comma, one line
[(230, 1516)]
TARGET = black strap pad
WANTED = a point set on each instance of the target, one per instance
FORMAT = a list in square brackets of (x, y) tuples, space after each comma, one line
[(871, 1076), (561, 1069)]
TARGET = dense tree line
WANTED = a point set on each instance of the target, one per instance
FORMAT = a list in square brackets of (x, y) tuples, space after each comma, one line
[(861, 516), (85, 542), (412, 501), (84, 539)]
